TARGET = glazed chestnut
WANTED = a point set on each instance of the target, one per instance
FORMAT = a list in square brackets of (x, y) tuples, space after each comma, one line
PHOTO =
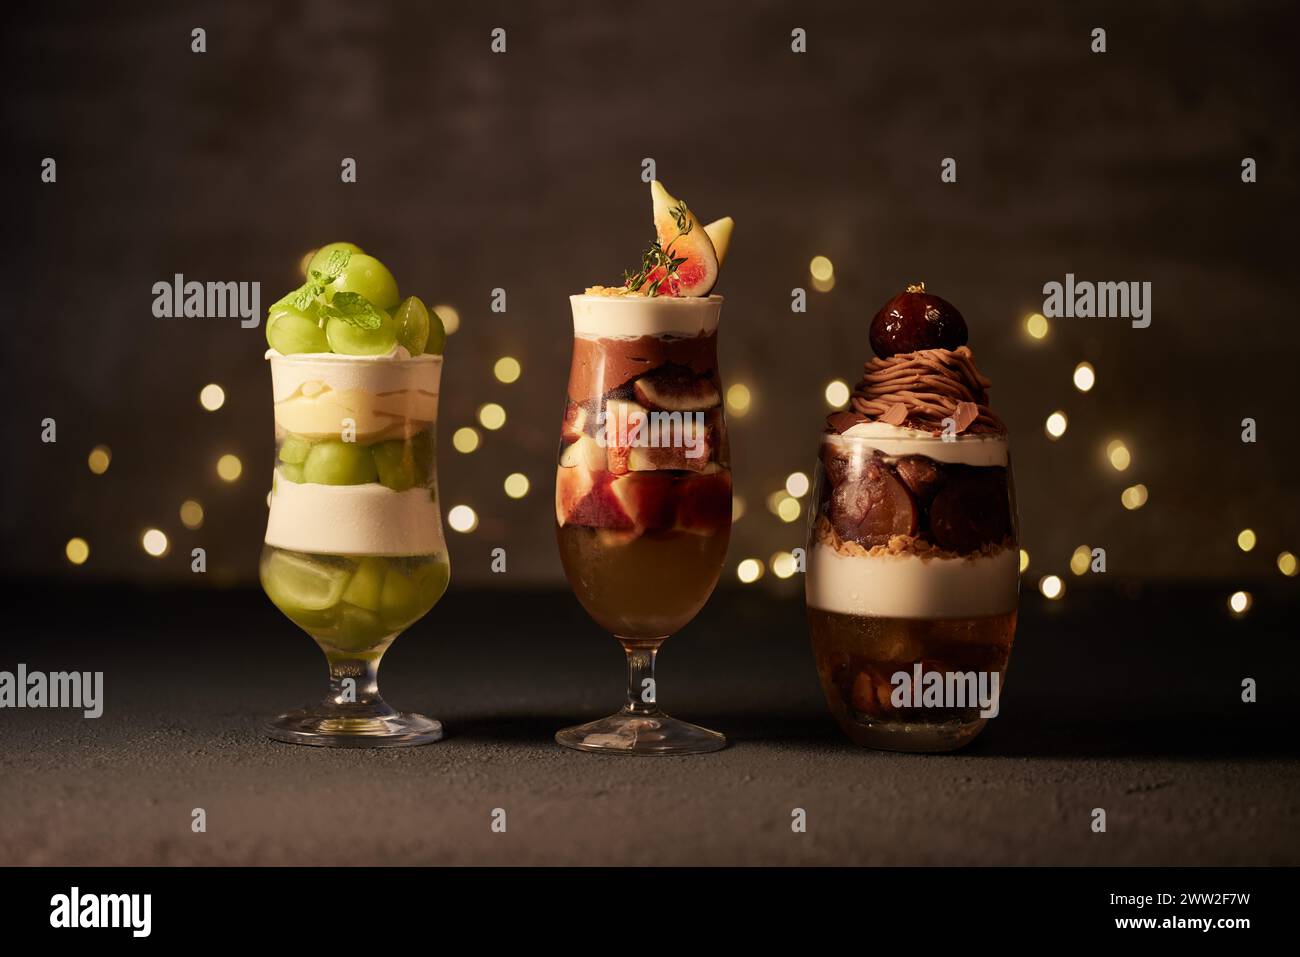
[(915, 320)]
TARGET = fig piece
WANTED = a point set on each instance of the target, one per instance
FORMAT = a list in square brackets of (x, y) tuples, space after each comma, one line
[(872, 507), (921, 476), (915, 320), (704, 503), (682, 237), (647, 498), (674, 388), (973, 508)]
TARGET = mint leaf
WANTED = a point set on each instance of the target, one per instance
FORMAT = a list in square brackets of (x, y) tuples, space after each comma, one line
[(335, 265), (355, 309)]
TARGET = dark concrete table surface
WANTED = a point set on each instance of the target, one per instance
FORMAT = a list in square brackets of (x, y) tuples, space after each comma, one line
[(1122, 699)]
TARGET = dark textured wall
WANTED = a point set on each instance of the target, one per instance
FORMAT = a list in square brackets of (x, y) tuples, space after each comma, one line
[(522, 170)]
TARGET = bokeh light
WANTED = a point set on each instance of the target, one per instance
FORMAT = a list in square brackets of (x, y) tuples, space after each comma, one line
[(99, 459), (789, 509), (796, 483), (491, 416), (462, 518), (229, 467), (464, 440), (1051, 586), (77, 550), (1286, 564), (1246, 539), (191, 514), (1239, 602), (1134, 497), (1085, 377), (738, 399), (516, 484), (449, 316), (212, 397), (1081, 560), (507, 369), (154, 542), (1024, 559), (1056, 425), (783, 564), (1036, 325), (1118, 455), (837, 394), (737, 508), (750, 570), (822, 271)]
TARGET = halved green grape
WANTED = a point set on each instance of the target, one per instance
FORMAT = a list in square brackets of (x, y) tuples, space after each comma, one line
[(400, 601), (296, 583), (322, 255), (332, 462), (294, 331), (412, 321), (294, 449), (359, 629), (432, 580), (366, 584), (368, 276), (292, 472), (349, 340), (395, 464), (437, 335)]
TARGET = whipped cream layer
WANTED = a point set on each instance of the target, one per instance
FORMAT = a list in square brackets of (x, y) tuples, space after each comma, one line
[(626, 317), (910, 586), (380, 397), (894, 441), (353, 520)]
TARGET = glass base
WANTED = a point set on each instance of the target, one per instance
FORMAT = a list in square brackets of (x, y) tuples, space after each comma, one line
[(917, 737), (654, 733), (340, 729)]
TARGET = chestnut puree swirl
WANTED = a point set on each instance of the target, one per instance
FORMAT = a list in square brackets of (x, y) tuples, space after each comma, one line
[(921, 389)]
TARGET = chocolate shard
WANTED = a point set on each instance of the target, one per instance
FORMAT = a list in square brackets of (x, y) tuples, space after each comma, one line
[(896, 414), (965, 414), (841, 422)]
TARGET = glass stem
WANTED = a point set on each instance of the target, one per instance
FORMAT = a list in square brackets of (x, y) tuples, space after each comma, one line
[(642, 692), (354, 683)]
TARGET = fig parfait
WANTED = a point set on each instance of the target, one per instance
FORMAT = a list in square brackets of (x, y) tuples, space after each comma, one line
[(913, 562), (643, 484)]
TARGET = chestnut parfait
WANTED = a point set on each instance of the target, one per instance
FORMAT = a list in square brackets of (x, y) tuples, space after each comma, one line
[(913, 559)]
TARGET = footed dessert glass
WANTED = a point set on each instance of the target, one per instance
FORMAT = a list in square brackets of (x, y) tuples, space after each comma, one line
[(912, 581), (643, 495), (354, 549)]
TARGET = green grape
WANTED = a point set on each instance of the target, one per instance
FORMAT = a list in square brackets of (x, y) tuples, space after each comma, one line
[(395, 464), (294, 331), (322, 256), (292, 472), (359, 629), (332, 462), (422, 451), (412, 321), (437, 335), (296, 583), (368, 276), (366, 584), (432, 580), (294, 449), (349, 340)]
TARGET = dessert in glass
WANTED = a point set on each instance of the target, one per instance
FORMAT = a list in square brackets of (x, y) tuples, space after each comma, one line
[(913, 562), (354, 551), (643, 486)]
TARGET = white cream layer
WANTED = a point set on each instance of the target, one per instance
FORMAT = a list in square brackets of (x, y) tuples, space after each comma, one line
[(395, 372), (893, 441), (909, 586), (353, 519), (626, 317)]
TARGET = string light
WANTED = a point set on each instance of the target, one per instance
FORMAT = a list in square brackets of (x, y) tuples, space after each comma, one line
[(1052, 587), (229, 467), (449, 316), (1134, 497), (191, 514), (516, 484), (1118, 454), (464, 440), (77, 550), (796, 483), (154, 542), (1036, 325), (1085, 377), (1056, 425), (1081, 560), (99, 458), (738, 400), (1239, 602), (837, 393), (212, 397), (491, 416), (783, 565), (462, 518), (507, 369), (749, 571), (1246, 539)]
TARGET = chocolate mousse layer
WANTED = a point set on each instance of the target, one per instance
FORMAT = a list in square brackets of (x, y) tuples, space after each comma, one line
[(604, 365)]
